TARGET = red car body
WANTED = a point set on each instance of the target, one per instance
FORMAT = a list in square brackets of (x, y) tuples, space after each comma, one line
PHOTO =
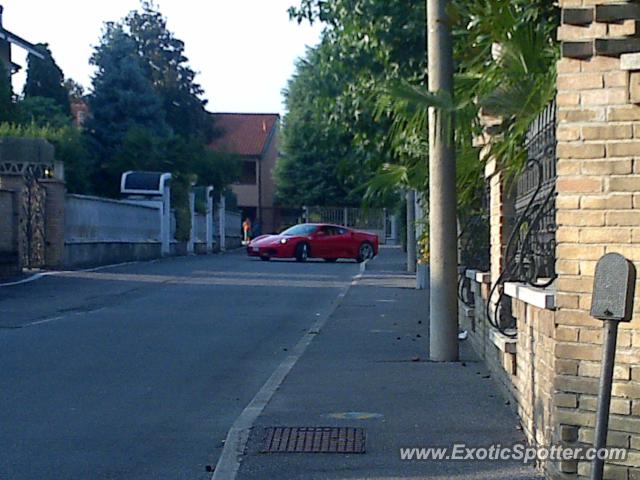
[(313, 240)]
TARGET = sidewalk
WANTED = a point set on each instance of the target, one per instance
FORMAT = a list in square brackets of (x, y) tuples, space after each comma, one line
[(370, 360)]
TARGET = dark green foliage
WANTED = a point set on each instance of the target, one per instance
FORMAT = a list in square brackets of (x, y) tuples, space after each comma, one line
[(41, 111), (314, 148), (383, 42), (333, 141), (123, 100), (164, 62), (70, 149), (45, 79), (148, 114), (7, 108)]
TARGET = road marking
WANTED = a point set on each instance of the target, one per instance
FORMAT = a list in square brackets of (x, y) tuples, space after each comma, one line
[(55, 319), (238, 435), (354, 416), (38, 276)]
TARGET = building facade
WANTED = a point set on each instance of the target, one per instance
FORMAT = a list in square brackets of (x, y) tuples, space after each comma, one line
[(254, 138)]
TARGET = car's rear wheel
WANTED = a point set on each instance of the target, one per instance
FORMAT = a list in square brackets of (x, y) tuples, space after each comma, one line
[(365, 252), (302, 252), (331, 260)]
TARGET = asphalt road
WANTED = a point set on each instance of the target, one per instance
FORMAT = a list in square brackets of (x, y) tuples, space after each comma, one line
[(138, 371)]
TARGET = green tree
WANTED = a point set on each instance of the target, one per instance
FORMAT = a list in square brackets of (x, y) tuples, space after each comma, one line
[(147, 111), (505, 59), (7, 108), (45, 79), (123, 104), (164, 62), (41, 111), (314, 149), (366, 44)]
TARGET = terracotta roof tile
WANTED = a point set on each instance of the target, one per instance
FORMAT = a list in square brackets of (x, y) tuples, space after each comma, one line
[(243, 133)]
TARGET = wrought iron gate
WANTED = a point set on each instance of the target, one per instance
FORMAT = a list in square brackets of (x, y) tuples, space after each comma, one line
[(32, 221)]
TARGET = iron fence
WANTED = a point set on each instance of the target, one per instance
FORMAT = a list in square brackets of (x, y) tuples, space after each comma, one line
[(534, 243), (530, 252)]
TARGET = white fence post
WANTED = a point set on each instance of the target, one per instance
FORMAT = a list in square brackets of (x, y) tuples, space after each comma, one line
[(345, 220), (192, 215), (209, 220), (394, 229), (165, 221), (385, 233), (222, 223)]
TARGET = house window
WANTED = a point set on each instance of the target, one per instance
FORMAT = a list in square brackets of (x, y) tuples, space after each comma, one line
[(249, 174)]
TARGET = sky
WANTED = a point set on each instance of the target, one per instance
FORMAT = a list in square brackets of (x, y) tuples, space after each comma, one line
[(244, 50)]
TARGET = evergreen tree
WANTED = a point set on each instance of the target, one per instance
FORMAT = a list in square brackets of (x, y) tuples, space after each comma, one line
[(45, 79), (7, 109), (123, 104), (165, 64)]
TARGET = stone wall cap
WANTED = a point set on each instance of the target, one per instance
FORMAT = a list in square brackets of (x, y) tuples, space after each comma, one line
[(483, 277), (129, 203), (504, 343), (544, 298)]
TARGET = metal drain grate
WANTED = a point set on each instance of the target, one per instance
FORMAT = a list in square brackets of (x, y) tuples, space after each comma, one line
[(314, 440)]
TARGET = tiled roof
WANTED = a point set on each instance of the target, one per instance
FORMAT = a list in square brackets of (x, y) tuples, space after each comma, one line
[(243, 133)]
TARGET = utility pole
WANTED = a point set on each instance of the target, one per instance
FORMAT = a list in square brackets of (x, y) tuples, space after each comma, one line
[(442, 192), (411, 231)]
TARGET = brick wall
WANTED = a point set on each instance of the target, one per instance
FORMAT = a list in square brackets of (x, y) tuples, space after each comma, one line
[(500, 212), (598, 212), (9, 258), (523, 368), (54, 222)]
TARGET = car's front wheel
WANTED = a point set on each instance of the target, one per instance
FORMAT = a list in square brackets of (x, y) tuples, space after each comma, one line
[(365, 252), (302, 252)]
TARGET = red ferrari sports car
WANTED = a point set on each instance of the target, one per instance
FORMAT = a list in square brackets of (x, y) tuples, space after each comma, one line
[(312, 240)]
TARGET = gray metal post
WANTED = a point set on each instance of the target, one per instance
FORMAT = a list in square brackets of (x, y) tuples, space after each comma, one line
[(614, 284), (442, 192), (609, 342), (345, 217), (411, 231)]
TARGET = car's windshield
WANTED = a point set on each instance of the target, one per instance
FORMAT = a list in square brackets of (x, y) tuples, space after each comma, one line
[(299, 230)]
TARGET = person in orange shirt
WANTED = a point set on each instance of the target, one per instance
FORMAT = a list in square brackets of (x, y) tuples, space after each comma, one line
[(246, 229)]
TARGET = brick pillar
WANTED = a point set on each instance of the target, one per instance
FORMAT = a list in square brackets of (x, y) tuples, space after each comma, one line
[(500, 214), (598, 211), (54, 222)]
